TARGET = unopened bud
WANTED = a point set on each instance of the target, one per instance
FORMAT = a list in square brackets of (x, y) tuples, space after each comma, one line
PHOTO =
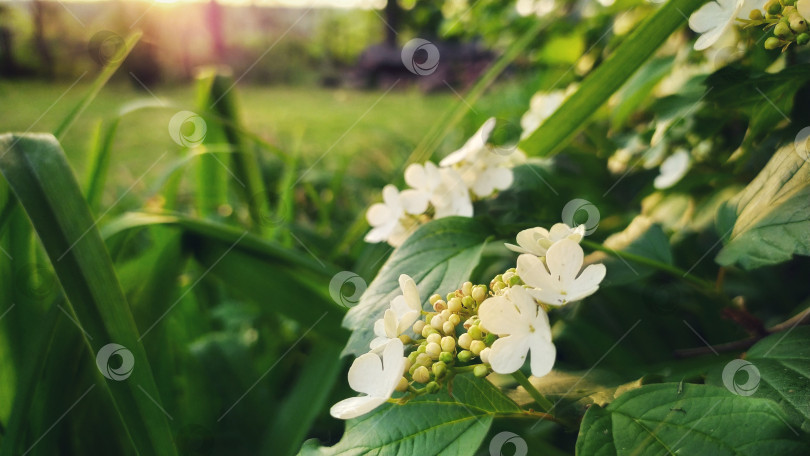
[(468, 302), (448, 344), (402, 385), (475, 332), (454, 305), (437, 322), (489, 339), (429, 317), (773, 7), (464, 356), (466, 288), (507, 276), (498, 287), (515, 280), (484, 355), (802, 39), (435, 337), (412, 358), (408, 364), (439, 369), (797, 23), (480, 371), (756, 15), (433, 350), (773, 43), (434, 298), (449, 328), (427, 331), (421, 374), (479, 293), (418, 326), (446, 357), (432, 387), (423, 359), (476, 346), (445, 314), (406, 339), (464, 341), (782, 30), (454, 319)]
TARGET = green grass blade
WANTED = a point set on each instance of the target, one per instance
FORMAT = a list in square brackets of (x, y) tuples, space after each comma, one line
[(608, 77), (39, 175), (98, 84), (98, 162)]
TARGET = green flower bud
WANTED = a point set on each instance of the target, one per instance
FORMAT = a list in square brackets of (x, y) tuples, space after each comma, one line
[(489, 339), (448, 344), (449, 328), (429, 317), (454, 319), (788, 11), (445, 314), (406, 339), (498, 287), (427, 330), (432, 387), (412, 357), (464, 356), (498, 279), (464, 341), (789, 2), (451, 295), (773, 7), (454, 305), (507, 276), (418, 326), (468, 302), (756, 15), (439, 369), (479, 293), (434, 298), (408, 364), (421, 374), (466, 288), (420, 349), (475, 332), (481, 371), (435, 337), (515, 280), (402, 385), (423, 359), (436, 322), (439, 305), (476, 346), (433, 350), (797, 23), (773, 43), (802, 39), (446, 357), (782, 30), (413, 368)]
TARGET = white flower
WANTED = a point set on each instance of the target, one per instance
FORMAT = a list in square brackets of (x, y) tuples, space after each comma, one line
[(537, 240), (521, 326), (541, 107), (537, 7), (404, 310), (375, 376), (443, 187), (559, 284), (673, 169), (386, 218), (803, 7), (714, 19), (482, 170)]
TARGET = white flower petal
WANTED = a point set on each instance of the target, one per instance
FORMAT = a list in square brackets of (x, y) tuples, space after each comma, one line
[(543, 355), (413, 201), (355, 406), (673, 169), (515, 248), (378, 214), (564, 260), (390, 196), (410, 292), (803, 7), (508, 354), (415, 176), (533, 272), (394, 364), (500, 316), (365, 374)]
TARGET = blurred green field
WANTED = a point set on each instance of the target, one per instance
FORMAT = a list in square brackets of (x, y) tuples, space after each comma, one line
[(366, 125)]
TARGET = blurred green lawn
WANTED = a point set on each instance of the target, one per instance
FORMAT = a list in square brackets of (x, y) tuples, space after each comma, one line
[(366, 125)]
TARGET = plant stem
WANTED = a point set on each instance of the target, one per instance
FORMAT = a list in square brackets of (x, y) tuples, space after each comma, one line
[(541, 400)]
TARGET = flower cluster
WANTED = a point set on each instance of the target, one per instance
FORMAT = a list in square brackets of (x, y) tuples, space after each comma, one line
[(714, 21), (476, 328), (475, 171)]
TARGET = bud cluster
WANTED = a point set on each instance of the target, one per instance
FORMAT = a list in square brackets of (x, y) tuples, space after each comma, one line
[(789, 26)]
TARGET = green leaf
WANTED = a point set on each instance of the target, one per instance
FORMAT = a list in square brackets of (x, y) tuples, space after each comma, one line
[(699, 419), (771, 217), (608, 77), (432, 424), (439, 256), (638, 88), (38, 173), (782, 361)]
